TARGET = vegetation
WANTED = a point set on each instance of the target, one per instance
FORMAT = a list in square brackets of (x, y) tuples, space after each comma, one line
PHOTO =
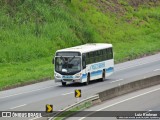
[(73, 111), (32, 30)]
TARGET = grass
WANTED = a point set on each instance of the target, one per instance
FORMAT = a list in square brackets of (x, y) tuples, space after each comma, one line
[(73, 111), (32, 30), (129, 33), (17, 74)]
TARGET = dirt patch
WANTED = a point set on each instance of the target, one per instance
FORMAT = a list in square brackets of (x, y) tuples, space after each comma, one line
[(118, 7), (136, 3), (110, 6)]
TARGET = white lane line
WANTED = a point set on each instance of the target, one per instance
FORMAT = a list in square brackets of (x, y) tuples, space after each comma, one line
[(17, 106), (120, 102), (25, 92), (50, 118), (136, 65), (148, 111), (156, 70), (117, 80), (67, 93)]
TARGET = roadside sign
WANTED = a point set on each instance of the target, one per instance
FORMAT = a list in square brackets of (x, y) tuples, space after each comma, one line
[(49, 108), (77, 93)]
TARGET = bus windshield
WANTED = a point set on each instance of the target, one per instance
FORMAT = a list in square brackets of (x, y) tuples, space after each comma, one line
[(67, 64)]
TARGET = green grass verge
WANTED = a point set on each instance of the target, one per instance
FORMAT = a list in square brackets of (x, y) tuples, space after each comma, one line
[(17, 74), (73, 111), (32, 30)]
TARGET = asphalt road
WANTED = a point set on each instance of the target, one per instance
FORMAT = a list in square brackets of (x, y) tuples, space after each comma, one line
[(146, 100), (35, 97)]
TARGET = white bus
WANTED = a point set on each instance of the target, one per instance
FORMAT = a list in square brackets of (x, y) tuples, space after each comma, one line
[(83, 63)]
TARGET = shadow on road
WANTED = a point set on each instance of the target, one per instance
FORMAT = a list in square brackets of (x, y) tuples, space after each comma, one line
[(82, 84)]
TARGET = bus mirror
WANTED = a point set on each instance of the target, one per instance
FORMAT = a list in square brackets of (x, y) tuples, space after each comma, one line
[(53, 61)]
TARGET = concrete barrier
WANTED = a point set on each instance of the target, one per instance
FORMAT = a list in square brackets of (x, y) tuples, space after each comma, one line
[(129, 87), (113, 92)]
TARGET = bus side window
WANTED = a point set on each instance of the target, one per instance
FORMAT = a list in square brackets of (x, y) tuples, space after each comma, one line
[(87, 58), (110, 53), (83, 61), (94, 57), (104, 54), (107, 55), (101, 55)]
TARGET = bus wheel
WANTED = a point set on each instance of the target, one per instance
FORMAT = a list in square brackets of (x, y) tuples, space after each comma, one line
[(63, 83), (103, 76), (88, 79)]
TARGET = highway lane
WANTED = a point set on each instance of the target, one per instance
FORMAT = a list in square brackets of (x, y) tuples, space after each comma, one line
[(143, 100), (36, 96)]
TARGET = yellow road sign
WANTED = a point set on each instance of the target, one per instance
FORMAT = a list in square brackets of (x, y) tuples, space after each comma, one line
[(78, 93), (49, 108)]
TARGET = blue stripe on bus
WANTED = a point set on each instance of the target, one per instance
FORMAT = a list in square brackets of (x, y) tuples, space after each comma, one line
[(95, 73), (99, 72), (84, 76), (110, 69)]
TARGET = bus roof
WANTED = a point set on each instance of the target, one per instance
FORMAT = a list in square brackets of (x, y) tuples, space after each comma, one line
[(86, 47)]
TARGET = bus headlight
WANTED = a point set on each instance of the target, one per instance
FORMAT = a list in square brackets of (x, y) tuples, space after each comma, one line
[(57, 75), (78, 75)]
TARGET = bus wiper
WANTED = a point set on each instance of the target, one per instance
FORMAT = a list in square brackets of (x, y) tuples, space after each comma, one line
[(71, 59)]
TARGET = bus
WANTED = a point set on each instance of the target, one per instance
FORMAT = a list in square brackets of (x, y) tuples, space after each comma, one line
[(84, 63)]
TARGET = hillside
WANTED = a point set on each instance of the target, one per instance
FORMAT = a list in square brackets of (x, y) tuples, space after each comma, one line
[(32, 30)]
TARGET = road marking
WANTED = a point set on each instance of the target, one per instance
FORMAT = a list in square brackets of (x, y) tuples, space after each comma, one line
[(135, 65), (148, 111), (25, 92), (67, 93), (18, 106), (117, 80), (156, 70), (121, 102), (50, 118)]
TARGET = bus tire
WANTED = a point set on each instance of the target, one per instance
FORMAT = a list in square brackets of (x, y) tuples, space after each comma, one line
[(63, 83), (103, 76), (88, 79)]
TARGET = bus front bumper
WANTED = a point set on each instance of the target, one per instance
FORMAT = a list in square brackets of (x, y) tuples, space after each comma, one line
[(79, 80)]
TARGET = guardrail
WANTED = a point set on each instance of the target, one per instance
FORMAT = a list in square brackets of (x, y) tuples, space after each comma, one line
[(94, 99), (89, 99)]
